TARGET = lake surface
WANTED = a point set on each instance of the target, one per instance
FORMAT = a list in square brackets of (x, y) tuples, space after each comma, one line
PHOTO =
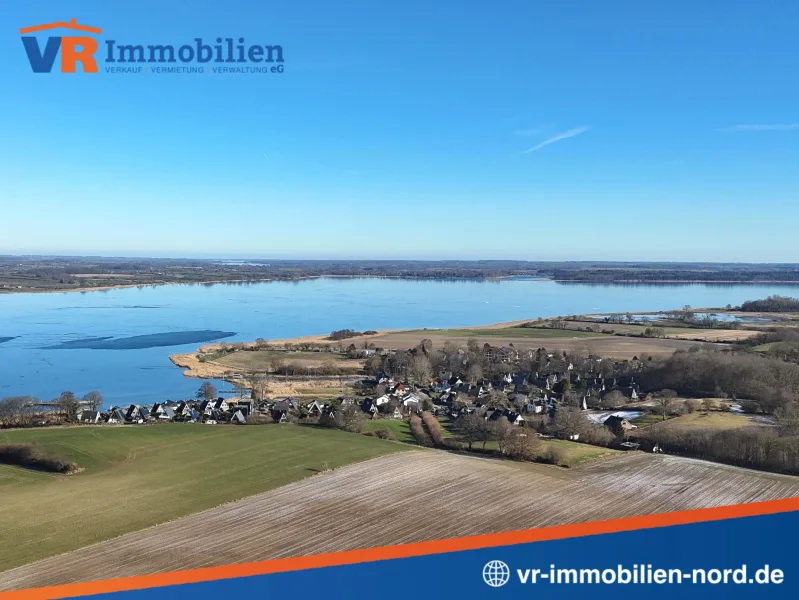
[(118, 341)]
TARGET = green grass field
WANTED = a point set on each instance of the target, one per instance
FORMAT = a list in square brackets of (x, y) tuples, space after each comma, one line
[(776, 347), (647, 419), (706, 420), (575, 453), (572, 453), (400, 428), (512, 332), (135, 477)]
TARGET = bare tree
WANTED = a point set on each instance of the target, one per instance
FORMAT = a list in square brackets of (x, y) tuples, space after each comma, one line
[(613, 399), (260, 389), (568, 421), (94, 400), (374, 365), (207, 391), (17, 411), (420, 370), (474, 372), (68, 405), (664, 402), (471, 428), (350, 418), (523, 444), (787, 417), (503, 433), (497, 399)]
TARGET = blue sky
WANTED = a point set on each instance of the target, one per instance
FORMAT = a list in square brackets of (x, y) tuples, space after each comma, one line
[(618, 130)]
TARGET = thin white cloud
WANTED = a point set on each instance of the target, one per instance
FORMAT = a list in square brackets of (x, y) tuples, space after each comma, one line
[(762, 127), (561, 136)]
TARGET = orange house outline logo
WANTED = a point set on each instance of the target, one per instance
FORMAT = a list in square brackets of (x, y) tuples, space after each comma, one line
[(74, 48)]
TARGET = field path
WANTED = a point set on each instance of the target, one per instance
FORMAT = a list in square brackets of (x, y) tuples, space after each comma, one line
[(407, 497)]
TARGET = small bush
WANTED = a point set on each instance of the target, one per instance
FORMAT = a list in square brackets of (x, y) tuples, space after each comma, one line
[(694, 405), (598, 436), (750, 406), (452, 444), (24, 455), (554, 456), (383, 434)]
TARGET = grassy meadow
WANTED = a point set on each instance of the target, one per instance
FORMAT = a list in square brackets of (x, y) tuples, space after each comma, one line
[(571, 453), (511, 332), (135, 477)]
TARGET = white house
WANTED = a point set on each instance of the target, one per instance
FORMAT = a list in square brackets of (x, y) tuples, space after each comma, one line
[(384, 399), (89, 416), (534, 406), (315, 408)]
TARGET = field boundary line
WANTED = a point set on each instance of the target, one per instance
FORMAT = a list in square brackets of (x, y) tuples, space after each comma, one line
[(365, 555)]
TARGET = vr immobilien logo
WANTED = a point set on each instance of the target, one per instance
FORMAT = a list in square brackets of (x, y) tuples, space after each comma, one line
[(234, 53), (74, 48)]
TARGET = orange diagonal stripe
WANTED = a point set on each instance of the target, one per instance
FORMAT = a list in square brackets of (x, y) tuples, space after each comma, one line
[(60, 25), (491, 540)]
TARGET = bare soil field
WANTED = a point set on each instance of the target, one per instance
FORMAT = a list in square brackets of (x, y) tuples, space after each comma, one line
[(713, 335), (408, 497), (605, 345), (671, 332), (711, 420)]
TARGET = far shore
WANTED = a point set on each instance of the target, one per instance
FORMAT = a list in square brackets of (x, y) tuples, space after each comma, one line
[(611, 345), (103, 288)]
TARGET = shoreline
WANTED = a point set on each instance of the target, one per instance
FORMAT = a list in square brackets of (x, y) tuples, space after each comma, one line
[(675, 282), (105, 288), (193, 367)]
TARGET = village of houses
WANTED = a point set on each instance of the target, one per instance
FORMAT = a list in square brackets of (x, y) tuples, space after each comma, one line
[(516, 397)]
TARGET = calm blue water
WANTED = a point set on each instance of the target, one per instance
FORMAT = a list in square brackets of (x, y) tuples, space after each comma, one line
[(49, 332)]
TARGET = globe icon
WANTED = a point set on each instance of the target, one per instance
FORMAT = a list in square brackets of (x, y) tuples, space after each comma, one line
[(496, 573)]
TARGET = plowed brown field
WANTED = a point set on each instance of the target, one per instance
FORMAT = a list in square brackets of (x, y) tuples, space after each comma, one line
[(408, 497)]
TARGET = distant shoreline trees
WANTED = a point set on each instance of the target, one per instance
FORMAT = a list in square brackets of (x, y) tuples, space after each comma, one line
[(771, 304)]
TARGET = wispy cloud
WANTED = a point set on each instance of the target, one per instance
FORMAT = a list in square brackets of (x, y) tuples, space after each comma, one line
[(561, 136), (762, 127)]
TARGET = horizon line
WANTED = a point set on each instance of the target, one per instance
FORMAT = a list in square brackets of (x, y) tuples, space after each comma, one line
[(430, 260)]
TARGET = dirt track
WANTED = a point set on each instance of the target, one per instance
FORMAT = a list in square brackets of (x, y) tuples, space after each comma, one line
[(407, 497)]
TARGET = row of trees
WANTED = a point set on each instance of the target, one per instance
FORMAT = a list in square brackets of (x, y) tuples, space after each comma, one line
[(753, 447), (23, 411), (768, 383), (771, 304), (477, 362)]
